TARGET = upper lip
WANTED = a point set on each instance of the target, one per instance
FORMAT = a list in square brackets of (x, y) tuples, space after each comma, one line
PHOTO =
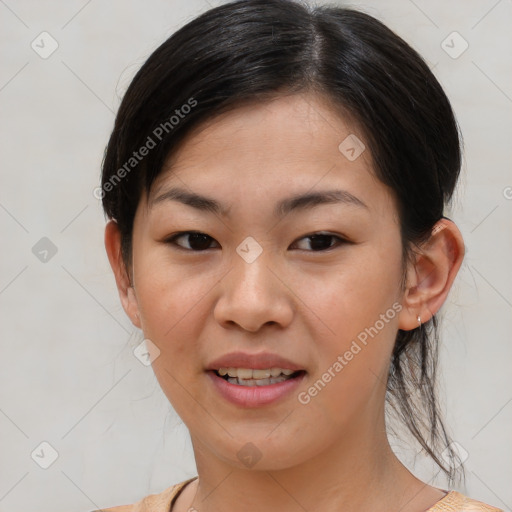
[(259, 361)]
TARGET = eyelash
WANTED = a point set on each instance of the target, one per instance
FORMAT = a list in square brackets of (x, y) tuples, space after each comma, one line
[(172, 240)]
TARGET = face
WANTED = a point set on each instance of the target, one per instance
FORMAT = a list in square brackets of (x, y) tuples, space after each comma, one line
[(315, 282)]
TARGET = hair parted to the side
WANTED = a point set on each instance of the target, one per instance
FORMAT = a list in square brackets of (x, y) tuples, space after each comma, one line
[(256, 50)]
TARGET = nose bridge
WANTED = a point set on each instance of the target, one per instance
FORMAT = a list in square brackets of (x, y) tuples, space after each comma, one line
[(251, 275), (251, 295)]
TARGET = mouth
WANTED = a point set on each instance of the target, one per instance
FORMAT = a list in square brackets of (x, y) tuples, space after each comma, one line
[(256, 377), (252, 388)]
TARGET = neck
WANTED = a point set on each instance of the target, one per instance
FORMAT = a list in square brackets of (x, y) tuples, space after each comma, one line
[(358, 472)]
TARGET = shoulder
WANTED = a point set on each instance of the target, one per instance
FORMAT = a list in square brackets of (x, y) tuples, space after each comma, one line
[(153, 502), (121, 508), (456, 502), (160, 502)]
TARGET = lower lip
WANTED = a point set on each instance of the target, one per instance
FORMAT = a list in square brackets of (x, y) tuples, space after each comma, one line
[(254, 396)]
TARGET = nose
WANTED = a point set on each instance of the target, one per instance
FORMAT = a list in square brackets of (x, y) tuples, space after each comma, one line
[(253, 295)]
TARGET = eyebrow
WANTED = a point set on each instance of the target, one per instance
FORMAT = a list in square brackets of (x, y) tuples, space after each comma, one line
[(297, 202)]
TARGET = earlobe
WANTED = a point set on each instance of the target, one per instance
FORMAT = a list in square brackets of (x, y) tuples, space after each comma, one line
[(431, 274), (132, 307), (122, 277)]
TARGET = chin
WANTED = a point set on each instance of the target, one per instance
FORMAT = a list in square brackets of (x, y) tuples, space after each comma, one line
[(264, 453)]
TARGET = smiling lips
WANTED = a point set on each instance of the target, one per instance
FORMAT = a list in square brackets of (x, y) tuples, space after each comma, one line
[(252, 380)]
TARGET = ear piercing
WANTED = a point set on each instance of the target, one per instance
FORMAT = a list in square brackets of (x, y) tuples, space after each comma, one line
[(419, 321)]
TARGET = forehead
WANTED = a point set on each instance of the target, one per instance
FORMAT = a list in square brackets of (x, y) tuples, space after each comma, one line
[(264, 152), (267, 137)]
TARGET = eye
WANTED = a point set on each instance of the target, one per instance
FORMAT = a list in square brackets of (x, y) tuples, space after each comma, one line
[(197, 241), (322, 241)]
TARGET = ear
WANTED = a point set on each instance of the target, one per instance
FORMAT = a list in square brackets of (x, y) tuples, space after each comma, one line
[(123, 280), (431, 274)]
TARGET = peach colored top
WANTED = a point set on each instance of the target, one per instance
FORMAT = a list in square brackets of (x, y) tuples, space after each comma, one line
[(163, 502)]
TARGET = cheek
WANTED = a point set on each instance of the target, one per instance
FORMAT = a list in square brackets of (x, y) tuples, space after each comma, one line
[(173, 317), (359, 307), (170, 299), (351, 296)]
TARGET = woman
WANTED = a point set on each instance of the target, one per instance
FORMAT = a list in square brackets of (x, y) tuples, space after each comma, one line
[(275, 182)]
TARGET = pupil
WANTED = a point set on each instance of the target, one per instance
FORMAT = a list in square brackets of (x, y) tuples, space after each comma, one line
[(314, 241), (202, 239)]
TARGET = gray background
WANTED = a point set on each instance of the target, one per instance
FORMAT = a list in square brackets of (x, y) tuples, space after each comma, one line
[(68, 375)]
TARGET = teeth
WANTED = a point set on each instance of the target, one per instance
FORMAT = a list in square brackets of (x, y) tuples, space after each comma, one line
[(250, 374), (257, 382), (261, 374)]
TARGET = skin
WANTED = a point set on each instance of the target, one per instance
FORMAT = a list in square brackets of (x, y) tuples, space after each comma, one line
[(304, 304)]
